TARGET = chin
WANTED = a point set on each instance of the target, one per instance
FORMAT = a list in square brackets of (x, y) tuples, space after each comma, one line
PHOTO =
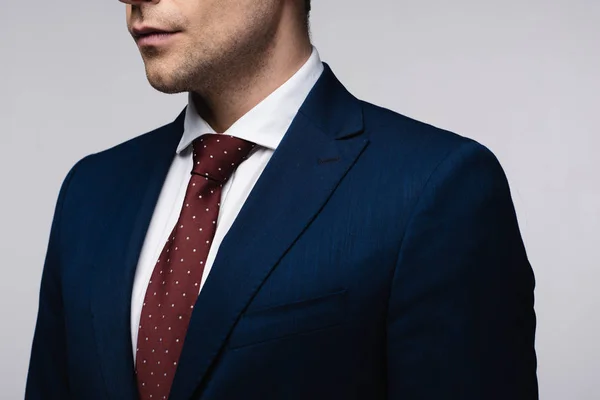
[(165, 88), (166, 81)]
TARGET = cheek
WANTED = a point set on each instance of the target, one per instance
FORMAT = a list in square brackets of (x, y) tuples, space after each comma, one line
[(216, 15), (215, 23)]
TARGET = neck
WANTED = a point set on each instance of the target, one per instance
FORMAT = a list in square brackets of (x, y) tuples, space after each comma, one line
[(246, 87)]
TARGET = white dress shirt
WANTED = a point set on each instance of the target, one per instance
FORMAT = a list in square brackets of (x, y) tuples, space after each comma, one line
[(265, 125)]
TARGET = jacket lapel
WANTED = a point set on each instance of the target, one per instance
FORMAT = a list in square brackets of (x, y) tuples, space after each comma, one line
[(321, 145), (116, 260)]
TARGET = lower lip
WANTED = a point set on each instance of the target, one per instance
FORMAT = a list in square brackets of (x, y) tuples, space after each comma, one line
[(155, 39)]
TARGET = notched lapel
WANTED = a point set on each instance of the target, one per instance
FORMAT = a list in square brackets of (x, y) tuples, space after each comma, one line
[(320, 147)]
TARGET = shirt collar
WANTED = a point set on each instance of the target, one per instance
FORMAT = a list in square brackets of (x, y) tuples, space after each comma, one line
[(269, 120)]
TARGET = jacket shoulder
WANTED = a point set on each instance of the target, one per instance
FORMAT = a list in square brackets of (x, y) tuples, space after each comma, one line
[(147, 144), (387, 125), (417, 142)]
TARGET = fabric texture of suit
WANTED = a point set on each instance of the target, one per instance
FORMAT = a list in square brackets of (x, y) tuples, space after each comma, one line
[(390, 266)]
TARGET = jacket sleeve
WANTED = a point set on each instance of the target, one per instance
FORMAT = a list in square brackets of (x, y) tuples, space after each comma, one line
[(47, 376), (461, 322)]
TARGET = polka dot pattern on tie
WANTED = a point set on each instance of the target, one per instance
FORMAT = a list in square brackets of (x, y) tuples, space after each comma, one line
[(173, 287)]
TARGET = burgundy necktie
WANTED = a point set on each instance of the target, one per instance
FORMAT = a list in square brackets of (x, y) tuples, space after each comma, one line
[(175, 281)]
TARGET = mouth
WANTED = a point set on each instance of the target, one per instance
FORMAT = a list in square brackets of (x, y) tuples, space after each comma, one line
[(151, 36)]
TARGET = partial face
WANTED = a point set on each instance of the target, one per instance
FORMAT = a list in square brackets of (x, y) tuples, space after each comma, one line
[(208, 40)]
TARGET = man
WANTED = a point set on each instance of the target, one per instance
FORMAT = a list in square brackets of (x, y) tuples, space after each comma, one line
[(280, 239)]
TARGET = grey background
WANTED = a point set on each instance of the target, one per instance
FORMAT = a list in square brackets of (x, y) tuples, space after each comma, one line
[(521, 77)]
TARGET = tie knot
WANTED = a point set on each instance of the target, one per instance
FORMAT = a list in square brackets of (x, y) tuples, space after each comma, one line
[(216, 156)]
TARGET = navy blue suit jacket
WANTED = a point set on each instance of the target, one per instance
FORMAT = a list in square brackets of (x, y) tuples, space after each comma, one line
[(377, 257)]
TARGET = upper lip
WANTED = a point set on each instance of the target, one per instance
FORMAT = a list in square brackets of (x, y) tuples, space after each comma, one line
[(138, 31)]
